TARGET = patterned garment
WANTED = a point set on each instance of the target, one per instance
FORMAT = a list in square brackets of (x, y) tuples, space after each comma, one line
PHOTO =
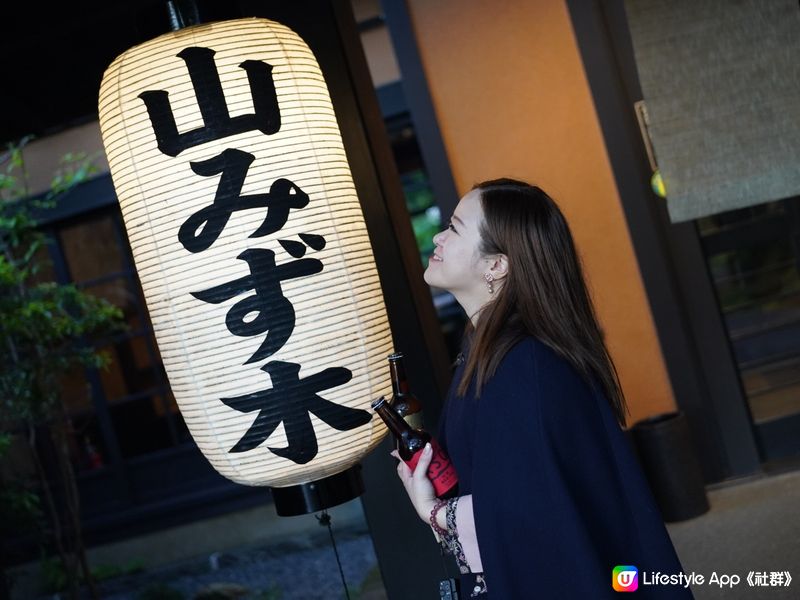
[(474, 586), (473, 583)]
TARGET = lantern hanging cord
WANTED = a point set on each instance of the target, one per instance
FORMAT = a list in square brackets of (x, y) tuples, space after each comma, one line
[(182, 13), (325, 520)]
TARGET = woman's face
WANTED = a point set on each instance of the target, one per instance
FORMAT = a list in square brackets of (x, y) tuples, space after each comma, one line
[(456, 264)]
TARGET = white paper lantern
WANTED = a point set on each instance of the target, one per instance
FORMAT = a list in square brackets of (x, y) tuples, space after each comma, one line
[(251, 247)]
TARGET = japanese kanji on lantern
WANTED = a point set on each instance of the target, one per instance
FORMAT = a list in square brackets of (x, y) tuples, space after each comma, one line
[(251, 247)]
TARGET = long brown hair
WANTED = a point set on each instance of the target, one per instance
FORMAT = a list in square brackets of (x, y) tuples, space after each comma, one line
[(543, 294)]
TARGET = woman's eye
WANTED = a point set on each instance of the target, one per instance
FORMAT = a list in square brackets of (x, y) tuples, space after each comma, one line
[(450, 226)]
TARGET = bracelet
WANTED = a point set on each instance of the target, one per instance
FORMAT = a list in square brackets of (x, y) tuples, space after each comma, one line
[(437, 505)]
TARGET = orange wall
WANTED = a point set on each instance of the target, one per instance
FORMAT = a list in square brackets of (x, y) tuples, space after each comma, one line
[(512, 99)]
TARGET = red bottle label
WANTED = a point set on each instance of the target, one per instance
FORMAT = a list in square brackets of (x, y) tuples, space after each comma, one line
[(441, 471)]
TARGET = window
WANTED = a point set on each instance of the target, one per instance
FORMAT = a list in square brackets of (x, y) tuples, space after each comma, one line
[(132, 393), (753, 255)]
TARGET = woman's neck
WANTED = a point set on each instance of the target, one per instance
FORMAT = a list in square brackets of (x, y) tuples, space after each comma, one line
[(473, 305)]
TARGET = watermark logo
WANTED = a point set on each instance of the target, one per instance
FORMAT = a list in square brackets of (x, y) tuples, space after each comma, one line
[(625, 578)]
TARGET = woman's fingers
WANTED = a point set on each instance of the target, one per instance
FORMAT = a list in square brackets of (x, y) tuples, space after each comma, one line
[(421, 470), (416, 483), (420, 473), (402, 468)]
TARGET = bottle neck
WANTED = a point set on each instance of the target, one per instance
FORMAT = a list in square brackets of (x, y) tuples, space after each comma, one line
[(398, 373), (394, 421)]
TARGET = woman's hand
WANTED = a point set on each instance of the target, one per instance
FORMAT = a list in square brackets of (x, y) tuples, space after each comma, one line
[(418, 487)]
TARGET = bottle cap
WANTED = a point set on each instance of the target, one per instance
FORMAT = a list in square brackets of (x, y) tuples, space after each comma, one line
[(378, 403), (396, 356)]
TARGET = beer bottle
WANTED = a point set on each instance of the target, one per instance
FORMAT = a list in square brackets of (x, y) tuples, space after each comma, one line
[(411, 442), (403, 400)]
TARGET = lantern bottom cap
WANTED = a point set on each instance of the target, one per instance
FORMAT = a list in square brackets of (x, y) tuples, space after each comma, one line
[(318, 495)]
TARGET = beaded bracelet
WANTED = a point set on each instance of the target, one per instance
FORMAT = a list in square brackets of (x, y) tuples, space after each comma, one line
[(437, 505)]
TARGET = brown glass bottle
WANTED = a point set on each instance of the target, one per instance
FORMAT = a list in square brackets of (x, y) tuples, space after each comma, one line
[(411, 442), (403, 399)]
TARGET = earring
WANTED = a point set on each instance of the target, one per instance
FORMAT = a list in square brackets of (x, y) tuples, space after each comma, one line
[(489, 279)]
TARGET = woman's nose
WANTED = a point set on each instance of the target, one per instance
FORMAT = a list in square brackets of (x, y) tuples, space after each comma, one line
[(437, 239)]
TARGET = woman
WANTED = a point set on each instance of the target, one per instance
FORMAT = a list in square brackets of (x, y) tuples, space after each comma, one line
[(551, 497)]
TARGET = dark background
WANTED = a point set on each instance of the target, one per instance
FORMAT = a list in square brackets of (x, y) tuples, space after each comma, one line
[(53, 56)]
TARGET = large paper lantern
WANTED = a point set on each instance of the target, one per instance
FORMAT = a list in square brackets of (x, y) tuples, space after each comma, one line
[(252, 250)]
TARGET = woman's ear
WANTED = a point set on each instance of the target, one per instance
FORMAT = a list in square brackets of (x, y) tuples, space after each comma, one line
[(498, 266)]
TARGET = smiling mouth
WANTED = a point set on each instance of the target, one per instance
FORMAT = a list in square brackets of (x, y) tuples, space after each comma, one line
[(435, 258)]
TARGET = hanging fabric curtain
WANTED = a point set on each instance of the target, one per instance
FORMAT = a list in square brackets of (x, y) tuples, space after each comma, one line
[(721, 82)]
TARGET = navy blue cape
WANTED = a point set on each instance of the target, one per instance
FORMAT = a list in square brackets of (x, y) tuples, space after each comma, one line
[(559, 498)]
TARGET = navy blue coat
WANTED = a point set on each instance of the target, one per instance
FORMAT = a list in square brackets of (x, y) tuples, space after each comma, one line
[(559, 498)]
